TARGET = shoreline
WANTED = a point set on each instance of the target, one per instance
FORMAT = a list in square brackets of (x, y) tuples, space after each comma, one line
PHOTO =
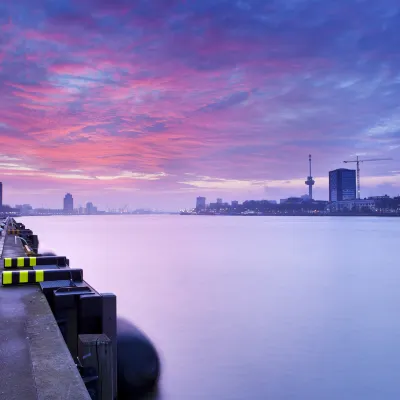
[(297, 215), (387, 215)]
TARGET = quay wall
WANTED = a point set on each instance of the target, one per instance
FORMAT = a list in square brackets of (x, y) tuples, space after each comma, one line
[(35, 362)]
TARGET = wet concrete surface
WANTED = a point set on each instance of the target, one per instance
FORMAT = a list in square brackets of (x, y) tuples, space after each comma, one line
[(35, 362)]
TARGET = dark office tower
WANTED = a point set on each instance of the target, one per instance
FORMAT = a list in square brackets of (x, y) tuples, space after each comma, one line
[(68, 203), (1, 195), (201, 203), (342, 184)]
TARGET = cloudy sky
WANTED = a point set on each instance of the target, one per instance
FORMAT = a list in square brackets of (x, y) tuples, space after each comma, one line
[(153, 102)]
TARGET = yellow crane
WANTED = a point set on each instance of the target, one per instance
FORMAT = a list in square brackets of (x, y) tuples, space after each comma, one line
[(358, 161)]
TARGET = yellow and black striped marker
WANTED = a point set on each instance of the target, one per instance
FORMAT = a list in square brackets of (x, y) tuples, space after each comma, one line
[(20, 262), (40, 275), (25, 262), (13, 231)]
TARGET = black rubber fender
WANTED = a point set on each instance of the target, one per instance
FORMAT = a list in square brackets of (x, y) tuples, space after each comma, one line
[(138, 363)]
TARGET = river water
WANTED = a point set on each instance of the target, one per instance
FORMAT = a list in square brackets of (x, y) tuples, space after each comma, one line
[(250, 308)]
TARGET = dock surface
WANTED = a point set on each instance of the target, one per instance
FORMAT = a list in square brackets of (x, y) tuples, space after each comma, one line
[(35, 363)]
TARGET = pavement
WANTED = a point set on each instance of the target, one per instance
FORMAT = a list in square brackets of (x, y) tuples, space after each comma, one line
[(1, 243), (35, 363)]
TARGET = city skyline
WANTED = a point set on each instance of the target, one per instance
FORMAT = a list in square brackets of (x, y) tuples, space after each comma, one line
[(153, 105), (69, 204)]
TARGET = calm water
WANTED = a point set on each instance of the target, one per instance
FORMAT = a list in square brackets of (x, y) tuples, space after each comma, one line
[(251, 308)]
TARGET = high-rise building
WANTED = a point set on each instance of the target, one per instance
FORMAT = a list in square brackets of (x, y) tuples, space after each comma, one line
[(342, 184), (1, 195), (90, 208), (201, 203), (219, 201), (68, 203)]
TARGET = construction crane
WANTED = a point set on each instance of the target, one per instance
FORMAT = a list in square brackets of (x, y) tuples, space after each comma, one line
[(358, 161)]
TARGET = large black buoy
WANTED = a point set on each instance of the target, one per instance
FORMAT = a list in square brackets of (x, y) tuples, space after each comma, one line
[(138, 364)]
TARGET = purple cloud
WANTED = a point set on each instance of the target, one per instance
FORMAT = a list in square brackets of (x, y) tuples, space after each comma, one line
[(187, 97)]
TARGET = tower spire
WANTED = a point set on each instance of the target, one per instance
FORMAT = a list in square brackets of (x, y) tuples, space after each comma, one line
[(310, 181)]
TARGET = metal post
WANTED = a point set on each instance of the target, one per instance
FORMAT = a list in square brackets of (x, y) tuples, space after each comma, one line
[(96, 356), (358, 179)]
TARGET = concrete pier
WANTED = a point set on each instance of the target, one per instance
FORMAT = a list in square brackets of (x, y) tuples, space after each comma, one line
[(35, 363), (59, 337)]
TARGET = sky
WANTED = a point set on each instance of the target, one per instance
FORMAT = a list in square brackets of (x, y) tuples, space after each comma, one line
[(151, 103)]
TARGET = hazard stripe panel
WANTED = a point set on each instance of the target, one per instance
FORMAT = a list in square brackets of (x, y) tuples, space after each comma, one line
[(40, 275), (24, 262)]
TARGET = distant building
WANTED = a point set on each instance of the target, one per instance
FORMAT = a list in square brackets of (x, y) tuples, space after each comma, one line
[(25, 209), (386, 203), (219, 205), (292, 200), (235, 204), (385, 197), (200, 203), (47, 211), (322, 203), (352, 205), (68, 203), (90, 208), (1, 195), (9, 211), (342, 185)]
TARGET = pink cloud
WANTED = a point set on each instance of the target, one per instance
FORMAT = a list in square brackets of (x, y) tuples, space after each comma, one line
[(107, 89), (69, 68)]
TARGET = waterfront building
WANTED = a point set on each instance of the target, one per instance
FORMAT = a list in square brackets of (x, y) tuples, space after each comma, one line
[(90, 208), (352, 205), (68, 203), (292, 200), (219, 205), (25, 209), (200, 203), (386, 203), (342, 185), (47, 211)]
